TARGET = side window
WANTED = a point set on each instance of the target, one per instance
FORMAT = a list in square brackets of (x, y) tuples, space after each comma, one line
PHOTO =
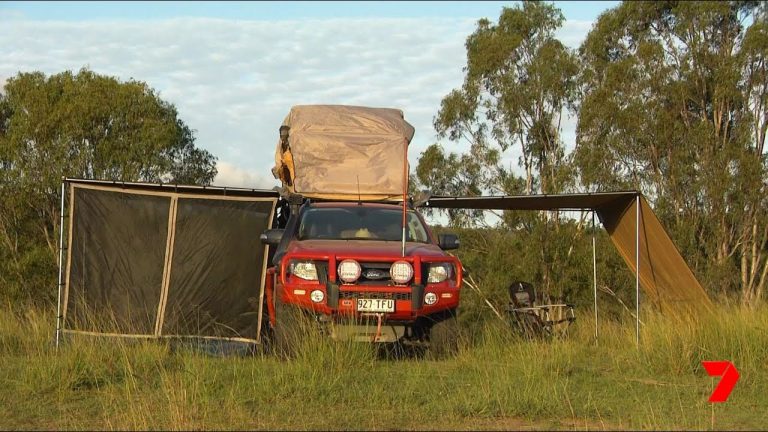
[(304, 227), (416, 229)]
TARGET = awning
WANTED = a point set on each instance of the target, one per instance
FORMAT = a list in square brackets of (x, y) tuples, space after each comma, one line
[(665, 277)]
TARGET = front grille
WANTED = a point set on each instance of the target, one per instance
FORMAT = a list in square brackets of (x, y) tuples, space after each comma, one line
[(375, 273), (374, 295)]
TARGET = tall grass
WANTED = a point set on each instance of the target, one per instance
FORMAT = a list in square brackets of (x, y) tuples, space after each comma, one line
[(497, 381)]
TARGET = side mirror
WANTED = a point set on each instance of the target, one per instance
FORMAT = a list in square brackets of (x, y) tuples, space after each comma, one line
[(448, 241), (272, 237)]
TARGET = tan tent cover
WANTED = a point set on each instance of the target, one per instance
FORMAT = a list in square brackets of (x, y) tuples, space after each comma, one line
[(344, 152), (665, 278)]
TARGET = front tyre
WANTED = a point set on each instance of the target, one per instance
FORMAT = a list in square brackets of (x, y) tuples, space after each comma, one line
[(289, 331), (444, 335)]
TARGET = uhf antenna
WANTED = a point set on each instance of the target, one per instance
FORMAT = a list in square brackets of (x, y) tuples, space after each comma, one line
[(359, 197), (405, 189)]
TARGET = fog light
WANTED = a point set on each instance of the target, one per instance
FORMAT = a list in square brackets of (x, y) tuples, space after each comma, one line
[(317, 296), (430, 298)]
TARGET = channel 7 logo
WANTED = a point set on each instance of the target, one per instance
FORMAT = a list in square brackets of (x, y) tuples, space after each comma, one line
[(730, 375)]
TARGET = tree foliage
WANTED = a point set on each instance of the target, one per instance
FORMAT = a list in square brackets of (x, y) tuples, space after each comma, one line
[(81, 125), (674, 105), (519, 80), (670, 99)]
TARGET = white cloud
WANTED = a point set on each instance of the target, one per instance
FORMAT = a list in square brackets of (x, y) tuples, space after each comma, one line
[(573, 32), (231, 175), (10, 14), (233, 80)]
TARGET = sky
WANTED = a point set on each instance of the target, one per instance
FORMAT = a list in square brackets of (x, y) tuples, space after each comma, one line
[(234, 69)]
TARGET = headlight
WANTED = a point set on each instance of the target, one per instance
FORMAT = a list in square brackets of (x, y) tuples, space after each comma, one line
[(304, 269), (401, 272), (439, 272), (349, 270)]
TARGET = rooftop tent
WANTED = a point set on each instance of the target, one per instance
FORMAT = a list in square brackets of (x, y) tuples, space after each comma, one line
[(664, 276), (164, 260), (343, 152)]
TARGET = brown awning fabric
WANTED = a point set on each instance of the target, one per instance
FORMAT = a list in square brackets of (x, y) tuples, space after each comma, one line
[(666, 279), (664, 275), (344, 152), (151, 260), (532, 202)]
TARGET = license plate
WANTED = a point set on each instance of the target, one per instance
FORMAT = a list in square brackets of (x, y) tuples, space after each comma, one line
[(375, 305)]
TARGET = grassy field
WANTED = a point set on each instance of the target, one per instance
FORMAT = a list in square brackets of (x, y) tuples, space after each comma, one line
[(496, 382)]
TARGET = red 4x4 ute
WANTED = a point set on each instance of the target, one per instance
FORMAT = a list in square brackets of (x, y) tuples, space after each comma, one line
[(342, 264)]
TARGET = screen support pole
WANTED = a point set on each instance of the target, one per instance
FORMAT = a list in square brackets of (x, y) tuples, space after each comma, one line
[(594, 270), (61, 263), (637, 269)]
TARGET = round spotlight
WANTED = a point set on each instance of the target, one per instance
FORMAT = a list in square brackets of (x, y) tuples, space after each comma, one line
[(401, 272), (349, 270)]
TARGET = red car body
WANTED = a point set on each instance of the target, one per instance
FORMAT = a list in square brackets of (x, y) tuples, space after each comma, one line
[(340, 299)]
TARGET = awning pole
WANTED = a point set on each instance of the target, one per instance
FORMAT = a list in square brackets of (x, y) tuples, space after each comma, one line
[(637, 269), (594, 270), (61, 264)]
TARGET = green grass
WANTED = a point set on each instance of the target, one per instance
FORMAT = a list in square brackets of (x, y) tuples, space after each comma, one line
[(496, 382)]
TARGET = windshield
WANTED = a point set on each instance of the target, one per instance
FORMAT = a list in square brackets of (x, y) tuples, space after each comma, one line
[(367, 223)]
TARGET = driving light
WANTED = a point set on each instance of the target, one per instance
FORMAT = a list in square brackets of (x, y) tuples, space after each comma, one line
[(430, 298), (317, 296), (349, 270), (401, 272), (439, 272), (304, 269)]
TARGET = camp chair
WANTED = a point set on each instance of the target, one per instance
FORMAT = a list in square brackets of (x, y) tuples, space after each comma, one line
[(534, 320)]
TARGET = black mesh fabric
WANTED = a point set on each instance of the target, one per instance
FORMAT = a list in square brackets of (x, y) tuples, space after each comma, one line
[(116, 271), (216, 268), (119, 256)]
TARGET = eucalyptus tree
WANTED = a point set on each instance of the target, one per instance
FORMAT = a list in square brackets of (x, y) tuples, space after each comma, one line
[(673, 103), (519, 80), (519, 83), (78, 125)]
